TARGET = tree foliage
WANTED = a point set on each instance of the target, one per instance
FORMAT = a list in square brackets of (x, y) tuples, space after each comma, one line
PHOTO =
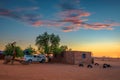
[(42, 41), (48, 43), (9, 50), (29, 51)]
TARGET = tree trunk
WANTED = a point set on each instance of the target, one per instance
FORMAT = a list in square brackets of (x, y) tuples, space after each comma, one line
[(7, 59)]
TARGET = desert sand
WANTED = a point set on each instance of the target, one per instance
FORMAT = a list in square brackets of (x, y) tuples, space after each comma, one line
[(55, 71)]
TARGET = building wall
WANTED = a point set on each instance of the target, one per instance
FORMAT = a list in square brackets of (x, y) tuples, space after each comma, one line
[(69, 57), (73, 57), (80, 59)]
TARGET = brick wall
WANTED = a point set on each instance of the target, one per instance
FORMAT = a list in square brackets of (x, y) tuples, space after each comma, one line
[(73, 57), (79, 59)]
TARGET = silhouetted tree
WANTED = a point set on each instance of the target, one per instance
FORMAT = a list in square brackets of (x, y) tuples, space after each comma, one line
[(11, 51), (47, 42), (42, 41), (29, 51)]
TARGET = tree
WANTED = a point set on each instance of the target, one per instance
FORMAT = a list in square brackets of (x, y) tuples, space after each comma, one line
[(59, 50), (54, 40), (29, 50), (64, 47), (9, 50), (47, 42), (42, 41)]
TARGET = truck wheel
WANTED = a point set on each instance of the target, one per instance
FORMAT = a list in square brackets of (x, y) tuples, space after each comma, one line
[(29, 61), (42, 61)]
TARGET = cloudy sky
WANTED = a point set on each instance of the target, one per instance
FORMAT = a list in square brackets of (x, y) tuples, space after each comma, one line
[(83, 25)]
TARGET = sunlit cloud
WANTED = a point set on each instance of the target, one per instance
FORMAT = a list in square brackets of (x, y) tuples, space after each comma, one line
[(52, 23), (94, 26), (70, 17), (78, 18), (70, 28), (67, 29), (4, 12), (98, 26), (25, 9), (48, 23), (37, 23), (74, 13), (9, 13), (31, 18), (21, 16)]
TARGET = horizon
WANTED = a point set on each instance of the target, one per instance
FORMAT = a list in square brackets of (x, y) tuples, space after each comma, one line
[(82, 25)]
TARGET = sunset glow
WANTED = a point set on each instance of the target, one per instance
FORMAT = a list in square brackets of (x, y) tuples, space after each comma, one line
[(82, 25)]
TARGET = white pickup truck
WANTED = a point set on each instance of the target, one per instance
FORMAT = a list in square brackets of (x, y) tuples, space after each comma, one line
[(35, 58)]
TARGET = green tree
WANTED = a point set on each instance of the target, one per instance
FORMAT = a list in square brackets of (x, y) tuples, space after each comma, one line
[(64, 47), (54, 40), (29, 51), (10, 49), (59, 50), (47, 42), (42, 41)]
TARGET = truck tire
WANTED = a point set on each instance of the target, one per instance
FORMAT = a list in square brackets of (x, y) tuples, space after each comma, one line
[(29, 61), (42, 61)]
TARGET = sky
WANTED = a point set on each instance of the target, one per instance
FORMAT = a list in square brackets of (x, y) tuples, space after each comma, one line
[(83, 25)]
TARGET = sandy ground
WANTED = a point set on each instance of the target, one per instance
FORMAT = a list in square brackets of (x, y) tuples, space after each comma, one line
[(56, 71)]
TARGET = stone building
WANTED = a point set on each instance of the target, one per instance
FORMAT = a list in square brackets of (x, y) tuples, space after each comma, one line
[(74, 57)]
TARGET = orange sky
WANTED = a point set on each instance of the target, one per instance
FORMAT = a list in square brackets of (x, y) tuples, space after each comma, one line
[(97, 49), (82, 25), (101, 49)]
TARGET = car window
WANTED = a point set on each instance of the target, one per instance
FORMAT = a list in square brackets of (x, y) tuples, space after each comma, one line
[(35, 56), (38, 56)]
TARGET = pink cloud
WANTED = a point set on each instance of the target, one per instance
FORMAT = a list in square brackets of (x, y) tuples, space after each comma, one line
[(84, 14), (94, 26), (74, 14), (70, 28), (4, 12), (67, 29), (47, 23), (25, 9), (77, 20), (52, 23), (70, 18), (99, 26), (21, 16), (37, 23)]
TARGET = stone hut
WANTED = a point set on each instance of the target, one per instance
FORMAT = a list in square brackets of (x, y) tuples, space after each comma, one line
[(74, 57)]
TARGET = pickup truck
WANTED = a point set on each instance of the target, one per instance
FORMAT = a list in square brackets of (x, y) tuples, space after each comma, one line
[(35, 58)]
